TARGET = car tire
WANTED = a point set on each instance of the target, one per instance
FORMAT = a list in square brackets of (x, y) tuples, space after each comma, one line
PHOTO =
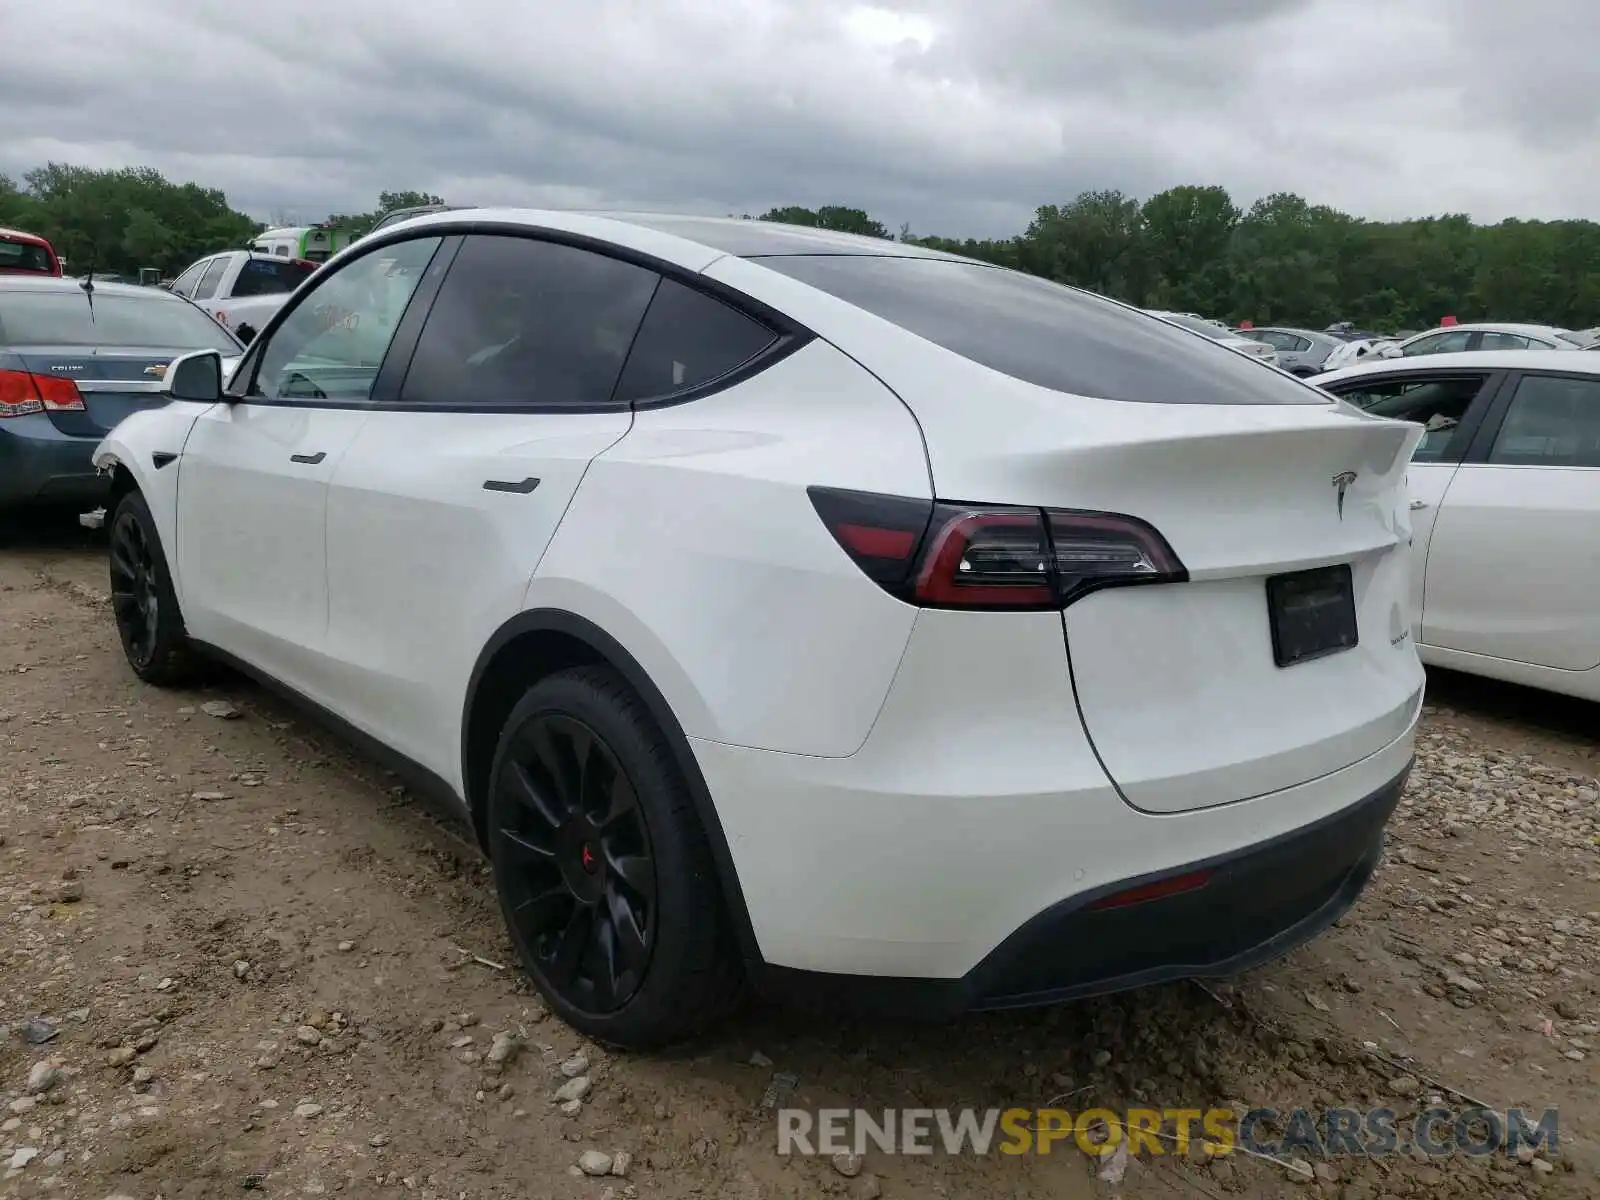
[(143, 601), (605, 875)]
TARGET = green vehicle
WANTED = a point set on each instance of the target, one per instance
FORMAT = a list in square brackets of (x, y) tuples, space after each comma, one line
[(315, 243)]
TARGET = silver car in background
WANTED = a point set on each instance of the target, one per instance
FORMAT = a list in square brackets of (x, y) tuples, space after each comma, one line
[(1300, 351)]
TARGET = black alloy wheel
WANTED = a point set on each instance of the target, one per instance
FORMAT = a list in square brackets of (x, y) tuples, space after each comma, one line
[(578, 875), (143, 600), (135, 591)]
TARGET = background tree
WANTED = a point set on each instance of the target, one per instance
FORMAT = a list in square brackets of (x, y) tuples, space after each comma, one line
[(356, 224)]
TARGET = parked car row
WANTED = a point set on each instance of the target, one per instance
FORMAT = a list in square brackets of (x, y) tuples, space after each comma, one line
[(1306, 352)]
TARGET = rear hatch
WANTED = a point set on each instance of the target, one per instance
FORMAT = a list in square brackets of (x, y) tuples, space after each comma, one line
[(111, 381), (1286, 654)]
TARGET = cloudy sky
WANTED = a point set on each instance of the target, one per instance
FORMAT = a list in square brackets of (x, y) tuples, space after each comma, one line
[(957, 116)]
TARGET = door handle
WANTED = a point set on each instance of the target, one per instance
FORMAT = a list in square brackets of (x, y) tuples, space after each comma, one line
[(312, 459), (521, 487), (1416, 504)]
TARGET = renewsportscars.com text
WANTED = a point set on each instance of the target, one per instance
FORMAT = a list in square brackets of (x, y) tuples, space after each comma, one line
[(1321, 1133)]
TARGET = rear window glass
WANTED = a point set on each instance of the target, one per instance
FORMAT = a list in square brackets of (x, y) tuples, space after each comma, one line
[(55, 319), (24, 256), (1045, 334), (269, 277)]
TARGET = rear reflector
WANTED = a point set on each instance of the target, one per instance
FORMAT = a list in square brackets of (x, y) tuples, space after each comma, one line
[(1174, 885), (22, 393), (940, 555)]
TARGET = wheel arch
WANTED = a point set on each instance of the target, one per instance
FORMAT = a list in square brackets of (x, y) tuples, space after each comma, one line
[(123, 481), (539, 642)]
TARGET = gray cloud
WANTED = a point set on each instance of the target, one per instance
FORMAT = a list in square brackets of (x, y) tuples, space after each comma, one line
[(957, 116)]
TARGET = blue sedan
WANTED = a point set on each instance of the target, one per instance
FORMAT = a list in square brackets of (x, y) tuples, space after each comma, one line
[(75, 360)]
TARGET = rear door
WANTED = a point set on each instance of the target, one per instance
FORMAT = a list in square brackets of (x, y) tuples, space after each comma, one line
[(1450, 405), (1513, 572), (445, 501)]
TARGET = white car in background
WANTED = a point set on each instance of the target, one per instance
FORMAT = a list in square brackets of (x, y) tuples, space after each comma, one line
[(1505, 508), (856, 619), (1221, 334), (1490, 335)]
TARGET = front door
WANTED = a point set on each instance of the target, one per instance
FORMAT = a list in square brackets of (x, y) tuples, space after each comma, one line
[(1513, 573), (252, 495)]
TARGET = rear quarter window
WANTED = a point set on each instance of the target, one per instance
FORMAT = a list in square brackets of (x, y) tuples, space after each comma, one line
[(688, 340), (1043, 333)]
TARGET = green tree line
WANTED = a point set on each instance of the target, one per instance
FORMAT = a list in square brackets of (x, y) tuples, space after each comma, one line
[(1191, 248)]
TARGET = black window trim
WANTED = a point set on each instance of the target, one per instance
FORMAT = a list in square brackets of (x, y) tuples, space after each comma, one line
[(1488, 429), (1464, 443), (790, 335)]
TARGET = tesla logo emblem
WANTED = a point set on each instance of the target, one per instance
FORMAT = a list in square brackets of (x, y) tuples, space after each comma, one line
[(586, 856), (158, 370), (1341, 483)]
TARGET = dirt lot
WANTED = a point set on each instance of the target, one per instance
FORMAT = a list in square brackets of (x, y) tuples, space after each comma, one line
[(237, 958)]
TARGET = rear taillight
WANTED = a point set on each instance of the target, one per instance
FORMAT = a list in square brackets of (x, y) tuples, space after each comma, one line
[(22, 393), (940, 555)]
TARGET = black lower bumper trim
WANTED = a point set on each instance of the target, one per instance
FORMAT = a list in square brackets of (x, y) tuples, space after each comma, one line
[(1257, 904)]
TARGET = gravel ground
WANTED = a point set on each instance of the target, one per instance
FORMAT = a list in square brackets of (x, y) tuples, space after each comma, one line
[(235, 957)]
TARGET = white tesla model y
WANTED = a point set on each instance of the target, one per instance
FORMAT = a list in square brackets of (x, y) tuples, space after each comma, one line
[(783, 607)]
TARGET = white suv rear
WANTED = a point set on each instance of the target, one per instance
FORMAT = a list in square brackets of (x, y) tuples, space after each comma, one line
[(826, 612)]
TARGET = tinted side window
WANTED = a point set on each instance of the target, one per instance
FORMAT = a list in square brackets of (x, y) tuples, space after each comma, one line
[(212, 277), (331, 346), (1438, 405), (1296, 343), (1552, 422), (1043, 333), (688, 338), (524, 322)]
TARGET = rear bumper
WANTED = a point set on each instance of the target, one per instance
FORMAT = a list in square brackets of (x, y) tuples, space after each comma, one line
[(1257, 904), (39, 465)]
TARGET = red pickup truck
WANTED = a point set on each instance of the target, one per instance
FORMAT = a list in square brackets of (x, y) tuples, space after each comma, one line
[(27, 254)]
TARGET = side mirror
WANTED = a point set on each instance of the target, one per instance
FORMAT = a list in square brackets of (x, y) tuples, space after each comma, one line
[(196, 376)]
